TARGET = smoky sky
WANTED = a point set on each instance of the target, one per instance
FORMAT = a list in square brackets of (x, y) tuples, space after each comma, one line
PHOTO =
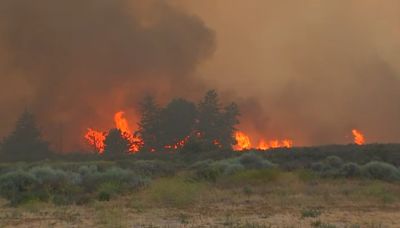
[(306, 70), (74, 63), (314, 69)]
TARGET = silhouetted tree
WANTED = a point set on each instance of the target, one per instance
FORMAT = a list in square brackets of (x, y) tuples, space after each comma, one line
[(115, 145), (216, 124), (209, 116), (25, 142), (228, 122), (149, 125), (177, 121)]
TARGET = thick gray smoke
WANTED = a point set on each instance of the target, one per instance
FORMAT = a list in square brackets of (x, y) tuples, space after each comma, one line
[(76, 62)]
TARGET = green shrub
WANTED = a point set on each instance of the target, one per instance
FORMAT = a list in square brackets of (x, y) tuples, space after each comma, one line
[(17, 186), (107, 190), (254, 161), (310, 213), (350, 170), (318, 166), (207, 173), (334, 162), (254, 176), (49, 177), (87, 170), (104, 196), (152, 168), (126, 179), (231, 169), (381, 171)]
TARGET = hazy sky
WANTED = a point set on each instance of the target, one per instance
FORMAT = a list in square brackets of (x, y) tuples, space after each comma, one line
[(319, 68), (306, 70)]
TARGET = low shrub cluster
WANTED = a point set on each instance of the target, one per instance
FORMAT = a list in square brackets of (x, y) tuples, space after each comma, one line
[(334, 166), (47, 184), (151, 168), (211, 170)]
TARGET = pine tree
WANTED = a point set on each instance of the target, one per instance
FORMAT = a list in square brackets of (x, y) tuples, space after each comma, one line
[(177, 121), (25, 142), (228, 122), (209, 116), (115, 145), (149, 126)]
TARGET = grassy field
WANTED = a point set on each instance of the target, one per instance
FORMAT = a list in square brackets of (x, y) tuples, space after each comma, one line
[(250, 198), (253, 189)]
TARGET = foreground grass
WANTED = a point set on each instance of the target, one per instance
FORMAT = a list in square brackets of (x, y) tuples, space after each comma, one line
[(250, 198)]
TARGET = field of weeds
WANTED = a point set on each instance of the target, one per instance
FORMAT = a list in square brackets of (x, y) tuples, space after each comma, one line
[(248, 198)]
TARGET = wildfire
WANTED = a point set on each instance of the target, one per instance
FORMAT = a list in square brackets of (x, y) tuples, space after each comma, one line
[(359, 138), (97, 138), (265, 145), (179, 144), (122, 124), (244, 142)]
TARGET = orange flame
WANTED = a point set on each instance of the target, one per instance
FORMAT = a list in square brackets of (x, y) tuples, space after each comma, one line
[(265, 145), (244, 142), (359, 138), (96, 138), (121, 123)]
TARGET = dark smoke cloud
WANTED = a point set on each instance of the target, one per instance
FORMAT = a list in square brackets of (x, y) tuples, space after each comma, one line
[(76, 62)]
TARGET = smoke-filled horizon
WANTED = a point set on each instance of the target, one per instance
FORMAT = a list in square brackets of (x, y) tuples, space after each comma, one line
[(309, 71), (317, 68)]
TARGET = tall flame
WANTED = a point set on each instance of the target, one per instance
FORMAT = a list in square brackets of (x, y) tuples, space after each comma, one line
[(359, 138), (97, 138), (242, 141), (121, 123)]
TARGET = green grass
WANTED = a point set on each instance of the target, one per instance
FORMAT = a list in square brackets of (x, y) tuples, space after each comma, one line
[(174, 192), (380, 191), (310, 213), (259, 176)]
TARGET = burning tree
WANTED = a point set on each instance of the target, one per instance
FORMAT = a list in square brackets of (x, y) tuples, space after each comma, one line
[(172, 127), (177, 121), (216, 124)]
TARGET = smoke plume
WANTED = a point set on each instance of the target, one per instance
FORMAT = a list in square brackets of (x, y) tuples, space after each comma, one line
[(310, 71), (76, 62)]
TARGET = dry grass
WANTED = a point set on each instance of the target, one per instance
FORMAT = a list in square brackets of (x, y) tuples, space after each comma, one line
[(274, 200)]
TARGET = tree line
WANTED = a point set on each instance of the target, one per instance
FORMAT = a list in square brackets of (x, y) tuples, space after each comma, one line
[(176, 126), (179, 123)]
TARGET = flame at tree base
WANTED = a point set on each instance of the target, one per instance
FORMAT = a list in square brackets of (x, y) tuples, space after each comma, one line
[(243, 142), (97, 138)]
